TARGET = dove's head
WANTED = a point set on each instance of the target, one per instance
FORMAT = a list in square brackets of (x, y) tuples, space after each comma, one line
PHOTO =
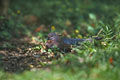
[(53, 39), (53, 36)]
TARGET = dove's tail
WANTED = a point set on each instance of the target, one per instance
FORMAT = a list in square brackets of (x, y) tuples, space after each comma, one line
[(77, 41)]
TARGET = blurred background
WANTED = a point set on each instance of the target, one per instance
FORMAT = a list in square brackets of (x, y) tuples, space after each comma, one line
[(85, 17)]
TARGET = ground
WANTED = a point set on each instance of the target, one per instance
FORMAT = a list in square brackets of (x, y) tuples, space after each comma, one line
[(21, 56)]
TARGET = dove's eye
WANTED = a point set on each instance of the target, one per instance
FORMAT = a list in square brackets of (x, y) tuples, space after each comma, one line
[(51, 35)]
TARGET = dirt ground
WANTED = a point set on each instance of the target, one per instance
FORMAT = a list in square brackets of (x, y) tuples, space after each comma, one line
[(18, 55)]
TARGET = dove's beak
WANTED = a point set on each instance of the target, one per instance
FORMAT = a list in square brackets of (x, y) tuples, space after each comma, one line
[(48, 38)]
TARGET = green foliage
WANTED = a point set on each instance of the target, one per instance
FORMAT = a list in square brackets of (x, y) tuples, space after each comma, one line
[(12, 26)]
